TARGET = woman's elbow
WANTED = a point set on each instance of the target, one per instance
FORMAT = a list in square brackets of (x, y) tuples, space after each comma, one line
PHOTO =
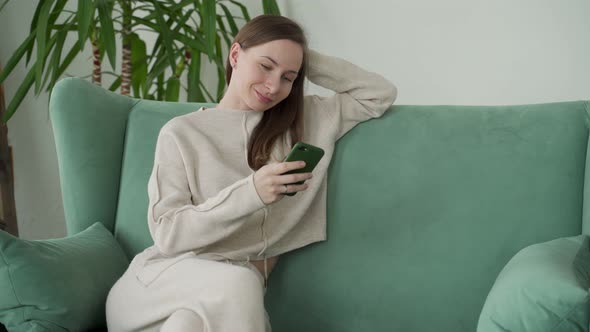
[(391, 94), (166, 245)]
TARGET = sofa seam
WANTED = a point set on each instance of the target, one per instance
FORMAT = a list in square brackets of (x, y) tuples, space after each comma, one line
[(563, 319), (10, 278), (584, 176), (134, 104), (137, 101)]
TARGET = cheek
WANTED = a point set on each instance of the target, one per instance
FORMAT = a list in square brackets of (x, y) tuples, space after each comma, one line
[(287, 90), (254, 75), (245, 76)]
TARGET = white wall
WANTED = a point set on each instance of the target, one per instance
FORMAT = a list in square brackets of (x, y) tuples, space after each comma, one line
[(437, 52), (478, 52)]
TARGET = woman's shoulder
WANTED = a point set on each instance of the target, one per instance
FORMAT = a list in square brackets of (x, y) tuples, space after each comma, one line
[(184, 122)]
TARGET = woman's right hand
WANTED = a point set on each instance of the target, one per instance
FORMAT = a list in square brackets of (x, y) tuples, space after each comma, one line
[(271, 185)]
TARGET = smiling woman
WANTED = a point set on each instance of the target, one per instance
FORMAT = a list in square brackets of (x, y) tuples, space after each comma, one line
[(220, 211), (265, 71), (259, 75)]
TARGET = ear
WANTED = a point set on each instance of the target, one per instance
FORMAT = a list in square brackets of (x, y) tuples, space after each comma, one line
[(233, 54)]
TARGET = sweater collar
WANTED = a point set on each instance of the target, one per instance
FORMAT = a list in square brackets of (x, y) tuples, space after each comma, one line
[(249, 113)]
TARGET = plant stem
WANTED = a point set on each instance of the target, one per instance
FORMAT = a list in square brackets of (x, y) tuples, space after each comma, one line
[(126, 53), (96, 62)]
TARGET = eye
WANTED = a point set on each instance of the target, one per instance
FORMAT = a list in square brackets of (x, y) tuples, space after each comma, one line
[(265, 66), (287, 79)]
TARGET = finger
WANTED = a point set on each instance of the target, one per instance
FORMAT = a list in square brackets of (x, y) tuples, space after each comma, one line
[(297, 187), (284, 167), (291, 178)]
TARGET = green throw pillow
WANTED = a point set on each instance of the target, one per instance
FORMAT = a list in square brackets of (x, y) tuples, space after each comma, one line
[(58, 284), (538, 290)]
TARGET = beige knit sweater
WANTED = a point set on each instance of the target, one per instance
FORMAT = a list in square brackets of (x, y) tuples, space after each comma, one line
[(201, 191)]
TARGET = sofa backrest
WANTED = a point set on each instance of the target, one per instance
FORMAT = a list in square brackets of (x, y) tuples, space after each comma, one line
[(425, 207), (145, 120)]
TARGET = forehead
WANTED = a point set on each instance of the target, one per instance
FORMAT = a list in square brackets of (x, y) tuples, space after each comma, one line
[(288, 54)]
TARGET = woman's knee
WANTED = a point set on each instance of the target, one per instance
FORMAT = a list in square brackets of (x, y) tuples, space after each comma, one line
[(244, 287)]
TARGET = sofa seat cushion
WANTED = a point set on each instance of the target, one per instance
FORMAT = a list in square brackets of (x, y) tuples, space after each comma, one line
[(538, 290), (58, 284)]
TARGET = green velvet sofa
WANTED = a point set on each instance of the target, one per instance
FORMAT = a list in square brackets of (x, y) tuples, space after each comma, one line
[(426, 205)]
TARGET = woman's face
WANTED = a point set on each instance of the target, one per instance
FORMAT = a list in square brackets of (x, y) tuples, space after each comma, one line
[(263, 75)]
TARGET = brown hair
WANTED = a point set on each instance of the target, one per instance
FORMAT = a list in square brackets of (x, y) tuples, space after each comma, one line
[(286, 116)]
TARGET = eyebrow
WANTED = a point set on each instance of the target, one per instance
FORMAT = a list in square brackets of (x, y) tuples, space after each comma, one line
[(273, 61)]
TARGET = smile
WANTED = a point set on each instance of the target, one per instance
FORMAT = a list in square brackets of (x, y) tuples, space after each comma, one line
[(262, 98)]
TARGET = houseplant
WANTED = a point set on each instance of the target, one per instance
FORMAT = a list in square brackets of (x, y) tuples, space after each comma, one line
[(185, 30)]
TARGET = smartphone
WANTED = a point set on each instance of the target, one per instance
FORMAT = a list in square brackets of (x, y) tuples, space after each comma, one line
[(306, 152)]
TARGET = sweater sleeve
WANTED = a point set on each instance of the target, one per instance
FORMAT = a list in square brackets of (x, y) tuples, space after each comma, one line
[(360, 95), (177, 224)]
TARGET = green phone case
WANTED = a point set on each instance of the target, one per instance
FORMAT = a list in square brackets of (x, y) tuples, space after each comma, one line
[(306, 152)]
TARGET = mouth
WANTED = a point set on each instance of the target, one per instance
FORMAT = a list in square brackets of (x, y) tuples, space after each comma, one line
[(262, 98)]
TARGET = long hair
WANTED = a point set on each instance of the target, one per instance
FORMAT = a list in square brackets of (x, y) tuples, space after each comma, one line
[(287, 116)]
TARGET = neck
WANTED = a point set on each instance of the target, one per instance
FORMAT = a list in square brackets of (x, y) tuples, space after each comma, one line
[(229, 101)]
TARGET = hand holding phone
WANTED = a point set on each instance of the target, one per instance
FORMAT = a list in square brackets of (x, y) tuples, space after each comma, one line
[(306, 152), (270, 180)]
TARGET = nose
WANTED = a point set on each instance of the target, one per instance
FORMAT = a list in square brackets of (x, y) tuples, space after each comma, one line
[(272, 84)]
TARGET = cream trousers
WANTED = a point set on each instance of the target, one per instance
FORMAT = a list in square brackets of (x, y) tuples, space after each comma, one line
[(187, 293)]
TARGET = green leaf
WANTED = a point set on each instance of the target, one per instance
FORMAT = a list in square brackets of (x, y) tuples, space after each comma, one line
[(4, 4), (160, 87), (194, 42), (173, 8), (34, 26), (224, 32), (157, 69), (56, 56), (230, 19), (243, 8), (209, 25), (116, 84), (181, 22), (49, 48), (20, 94), (270, 7), (166, 35), (206, 91), (194, 93), (57, 11), (18, 55), (42, 42), (107, 32), (220, 73), (85, 15), (66, 63), (69, 27), (173, 89), (139, 68)]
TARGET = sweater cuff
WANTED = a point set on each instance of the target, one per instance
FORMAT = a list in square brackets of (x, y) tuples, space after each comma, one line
[(314, 61), (256, 200)]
